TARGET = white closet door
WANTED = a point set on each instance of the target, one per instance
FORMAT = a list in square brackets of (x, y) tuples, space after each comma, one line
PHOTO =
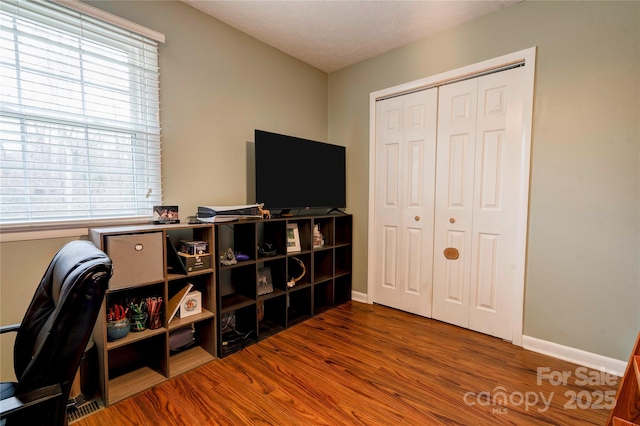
[(404, 201), (477, 199), (499, 149), (454, 201)]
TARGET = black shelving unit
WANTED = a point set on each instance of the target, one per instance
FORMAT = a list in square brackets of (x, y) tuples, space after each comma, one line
[(247, 313)]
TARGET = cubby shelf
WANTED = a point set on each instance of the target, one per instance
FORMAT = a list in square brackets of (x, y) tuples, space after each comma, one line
[(182, 322), (136, 381), (143, 359), (326, 283), (134, 337), (235, 311), (172, 277), (189, 359), (234, 301)]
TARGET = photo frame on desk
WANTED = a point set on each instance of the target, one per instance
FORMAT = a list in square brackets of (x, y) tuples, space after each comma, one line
[(293, 238), (163, 215)]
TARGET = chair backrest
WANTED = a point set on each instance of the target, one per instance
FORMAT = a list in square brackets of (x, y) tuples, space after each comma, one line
[(60, 319)]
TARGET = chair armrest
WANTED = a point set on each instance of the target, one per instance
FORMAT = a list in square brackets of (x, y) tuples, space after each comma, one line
[(18, 403), (9, 328)]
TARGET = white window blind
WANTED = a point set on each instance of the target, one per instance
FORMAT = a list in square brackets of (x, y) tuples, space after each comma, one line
[(79, 118)]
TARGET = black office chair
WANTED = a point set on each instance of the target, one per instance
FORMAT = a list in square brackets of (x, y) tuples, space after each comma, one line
[(53, 336)]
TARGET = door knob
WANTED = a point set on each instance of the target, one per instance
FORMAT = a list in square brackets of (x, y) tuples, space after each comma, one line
[(417, 218), (452, 220)]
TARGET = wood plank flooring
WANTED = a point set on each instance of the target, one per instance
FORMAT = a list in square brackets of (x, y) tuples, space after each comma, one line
[(362, 364)]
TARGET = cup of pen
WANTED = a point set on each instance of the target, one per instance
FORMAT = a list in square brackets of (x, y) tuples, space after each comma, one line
[(154, 308), (155, 321), (138, 322), (138, 316)]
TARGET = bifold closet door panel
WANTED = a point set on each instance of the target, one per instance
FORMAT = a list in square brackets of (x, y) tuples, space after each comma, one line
[(479, 163), (457, 111), (404, 201), (497, 197)]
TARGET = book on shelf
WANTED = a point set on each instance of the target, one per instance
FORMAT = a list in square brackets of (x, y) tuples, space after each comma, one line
[(176, 301)]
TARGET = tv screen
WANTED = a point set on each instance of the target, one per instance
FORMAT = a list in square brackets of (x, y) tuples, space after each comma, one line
[(294, 173)]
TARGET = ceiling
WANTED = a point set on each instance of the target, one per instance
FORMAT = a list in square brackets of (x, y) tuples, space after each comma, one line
[(333, 34)]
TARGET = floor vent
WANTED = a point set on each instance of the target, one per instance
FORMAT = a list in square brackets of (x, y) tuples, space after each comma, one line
[(77, 413)]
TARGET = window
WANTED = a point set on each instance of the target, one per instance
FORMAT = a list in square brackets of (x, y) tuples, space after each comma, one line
[(79, 118)]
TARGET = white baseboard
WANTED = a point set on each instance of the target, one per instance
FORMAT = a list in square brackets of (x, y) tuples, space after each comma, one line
[(577, 356), (359, 297)]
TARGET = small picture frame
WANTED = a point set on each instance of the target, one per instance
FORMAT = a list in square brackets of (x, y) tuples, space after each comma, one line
[(165, 214), (190, 305), (318, 239), (293, 238), (265, 283)]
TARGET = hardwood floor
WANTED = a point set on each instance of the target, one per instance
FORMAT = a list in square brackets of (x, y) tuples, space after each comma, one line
[(370, 365)]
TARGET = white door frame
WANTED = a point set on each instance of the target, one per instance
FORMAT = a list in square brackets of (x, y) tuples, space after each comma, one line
[(526, 56)]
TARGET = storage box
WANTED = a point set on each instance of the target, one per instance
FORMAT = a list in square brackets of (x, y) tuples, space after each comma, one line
[(137, 259), (194, 247), (191, 305), (196, 262)]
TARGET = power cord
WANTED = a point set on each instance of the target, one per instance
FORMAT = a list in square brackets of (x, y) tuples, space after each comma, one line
[(235, 341)]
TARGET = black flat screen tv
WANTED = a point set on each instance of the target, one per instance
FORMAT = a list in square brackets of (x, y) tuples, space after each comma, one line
[(294, 173)]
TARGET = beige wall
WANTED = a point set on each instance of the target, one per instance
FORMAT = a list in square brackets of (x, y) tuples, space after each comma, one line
[(217, 86), (582, 279)]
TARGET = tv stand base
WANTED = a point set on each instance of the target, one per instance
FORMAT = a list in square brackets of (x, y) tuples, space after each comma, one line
[(335, 209)]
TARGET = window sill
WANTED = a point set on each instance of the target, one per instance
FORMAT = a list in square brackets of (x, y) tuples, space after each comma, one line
[(62, 230), (43, 234)]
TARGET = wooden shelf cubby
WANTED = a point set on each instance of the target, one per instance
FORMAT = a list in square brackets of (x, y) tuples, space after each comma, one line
[(143, 359)]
